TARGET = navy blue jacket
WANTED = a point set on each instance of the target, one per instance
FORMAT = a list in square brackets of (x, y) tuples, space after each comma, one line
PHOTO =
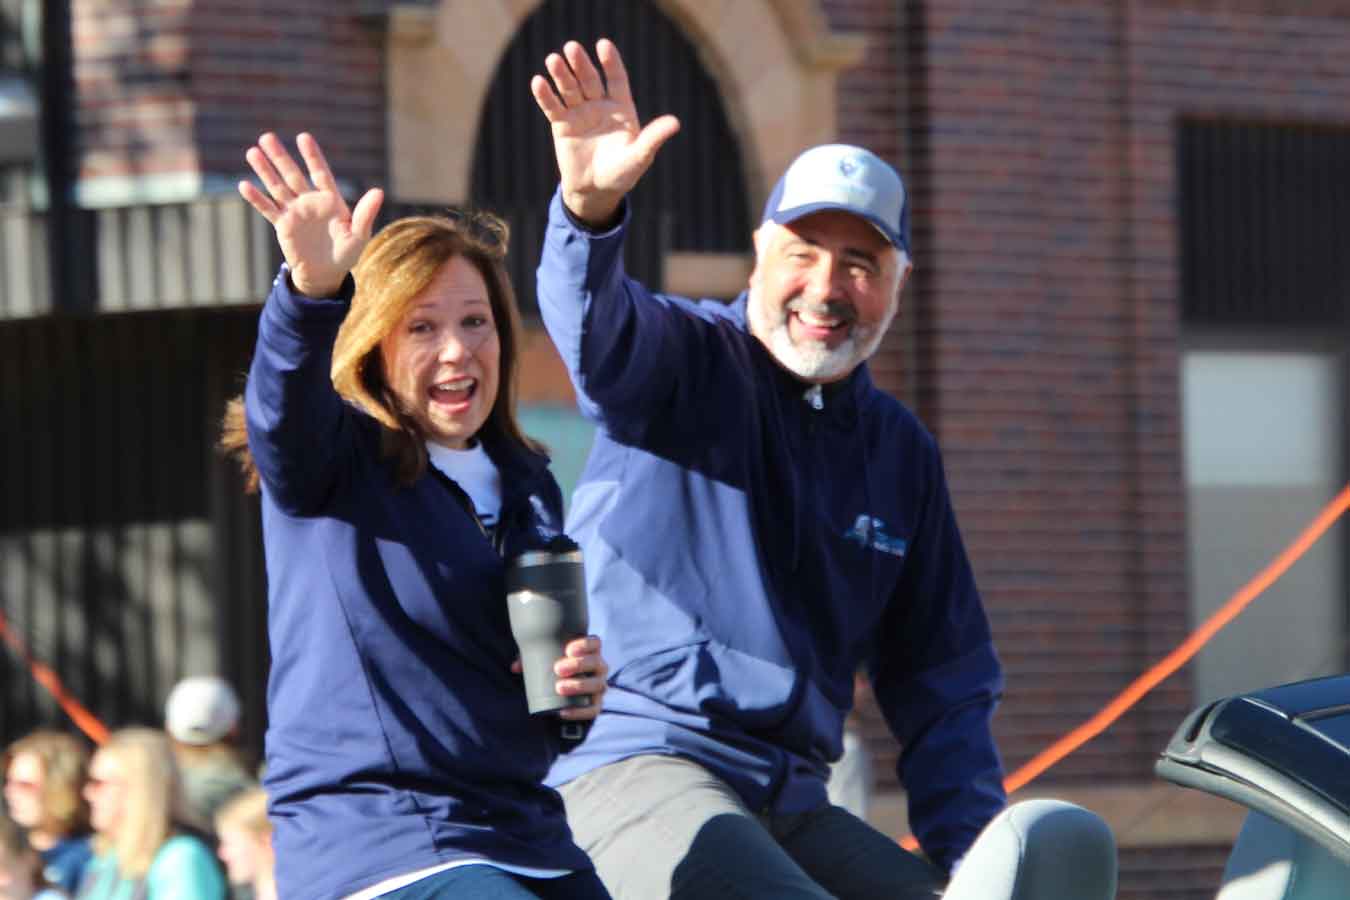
[(398, 737), (746, 552)]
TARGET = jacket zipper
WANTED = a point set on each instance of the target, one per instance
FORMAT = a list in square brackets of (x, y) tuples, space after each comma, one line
[(495, 537)]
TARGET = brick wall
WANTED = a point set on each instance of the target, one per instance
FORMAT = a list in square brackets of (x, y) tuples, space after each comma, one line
[(1040, 337), (1040, 158), (871, 113), (1027, 358), (179, 88), (133, 111)]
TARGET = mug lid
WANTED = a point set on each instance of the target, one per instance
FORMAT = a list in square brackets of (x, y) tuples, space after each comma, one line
[(543, 558)]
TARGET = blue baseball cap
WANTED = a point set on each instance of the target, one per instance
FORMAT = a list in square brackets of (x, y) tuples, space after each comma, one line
[(847, 178)]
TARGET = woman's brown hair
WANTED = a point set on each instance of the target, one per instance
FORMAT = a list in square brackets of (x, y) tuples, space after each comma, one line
[(396, 266), (64, 759)]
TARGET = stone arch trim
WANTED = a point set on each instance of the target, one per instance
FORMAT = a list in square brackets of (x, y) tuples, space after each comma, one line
[(775, 61)]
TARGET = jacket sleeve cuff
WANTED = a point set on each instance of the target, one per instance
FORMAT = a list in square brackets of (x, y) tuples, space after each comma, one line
[(620, 220), (619, 227), (296, 314)]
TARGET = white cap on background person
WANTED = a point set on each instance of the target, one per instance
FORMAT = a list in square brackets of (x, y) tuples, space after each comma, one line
[(201, 710)]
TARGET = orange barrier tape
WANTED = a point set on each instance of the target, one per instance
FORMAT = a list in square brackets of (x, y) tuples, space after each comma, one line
[(43, 675), (1183, 654), (1122, 703)]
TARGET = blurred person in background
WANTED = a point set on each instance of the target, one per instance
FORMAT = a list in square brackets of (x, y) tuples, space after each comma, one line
[(201, 716), (144, 849), (21, 868), (244, 835), (44, 776)]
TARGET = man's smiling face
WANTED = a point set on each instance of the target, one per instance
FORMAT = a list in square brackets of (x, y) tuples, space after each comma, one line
[(824, 290)]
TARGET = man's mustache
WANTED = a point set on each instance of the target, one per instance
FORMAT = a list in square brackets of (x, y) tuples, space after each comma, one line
[(830, 309)]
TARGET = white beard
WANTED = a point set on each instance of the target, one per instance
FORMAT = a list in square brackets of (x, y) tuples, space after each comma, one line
[(813, 360)]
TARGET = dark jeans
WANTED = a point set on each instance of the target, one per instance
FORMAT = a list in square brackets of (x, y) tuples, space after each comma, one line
[(478, 882)]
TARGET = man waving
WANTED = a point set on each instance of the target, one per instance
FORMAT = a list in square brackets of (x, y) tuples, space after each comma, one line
[(758, 520)]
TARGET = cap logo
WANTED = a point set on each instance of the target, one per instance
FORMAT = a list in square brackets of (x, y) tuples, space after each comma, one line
[(846, 178)]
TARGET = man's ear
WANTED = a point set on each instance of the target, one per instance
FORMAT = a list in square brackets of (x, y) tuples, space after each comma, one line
[(905, 272), (760, 237)]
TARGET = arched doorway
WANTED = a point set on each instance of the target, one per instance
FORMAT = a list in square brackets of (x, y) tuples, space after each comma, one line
[(694, 198), (775, 64)]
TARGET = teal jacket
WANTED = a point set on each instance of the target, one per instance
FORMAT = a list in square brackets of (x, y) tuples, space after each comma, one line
[(183, 869)]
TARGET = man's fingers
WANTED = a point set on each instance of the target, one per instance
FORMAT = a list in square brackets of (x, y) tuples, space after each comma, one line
[(652, 136), (616, 74), (563, 79), (588, 77), (548, 101), (259, 201)]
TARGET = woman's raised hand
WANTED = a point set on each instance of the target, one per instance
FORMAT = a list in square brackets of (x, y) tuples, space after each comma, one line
[(320, 237)]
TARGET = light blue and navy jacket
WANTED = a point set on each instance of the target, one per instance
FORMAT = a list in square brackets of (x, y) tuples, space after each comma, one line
[(398, 736), (747, 551)]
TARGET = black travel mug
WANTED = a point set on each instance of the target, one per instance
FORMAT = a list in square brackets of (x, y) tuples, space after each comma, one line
[(546, 600)]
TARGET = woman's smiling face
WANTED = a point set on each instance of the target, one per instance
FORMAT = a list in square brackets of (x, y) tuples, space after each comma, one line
[(443, 360)]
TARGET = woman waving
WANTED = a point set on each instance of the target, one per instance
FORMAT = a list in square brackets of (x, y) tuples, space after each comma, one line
[(396, 483)]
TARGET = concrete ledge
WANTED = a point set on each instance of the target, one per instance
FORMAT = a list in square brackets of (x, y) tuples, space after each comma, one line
[(700, 275)]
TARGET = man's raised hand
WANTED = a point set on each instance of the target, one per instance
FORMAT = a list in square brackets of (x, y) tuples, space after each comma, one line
[(602, 149), (320, 237)]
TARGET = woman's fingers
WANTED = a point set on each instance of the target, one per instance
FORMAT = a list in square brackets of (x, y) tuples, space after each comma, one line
[(282, 161), (286, 184), (268, 175), (587, 684), (319, 171), (581, 666), (582, 669), (259, 201), (592, 686), (363, 217), (581, 672), (587, 647)]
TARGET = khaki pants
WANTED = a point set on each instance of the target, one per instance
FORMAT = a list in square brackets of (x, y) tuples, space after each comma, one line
[(662, 826)]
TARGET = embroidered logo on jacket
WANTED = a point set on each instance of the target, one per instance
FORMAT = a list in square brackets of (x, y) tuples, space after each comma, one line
[(544, 524), (869, 531)]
